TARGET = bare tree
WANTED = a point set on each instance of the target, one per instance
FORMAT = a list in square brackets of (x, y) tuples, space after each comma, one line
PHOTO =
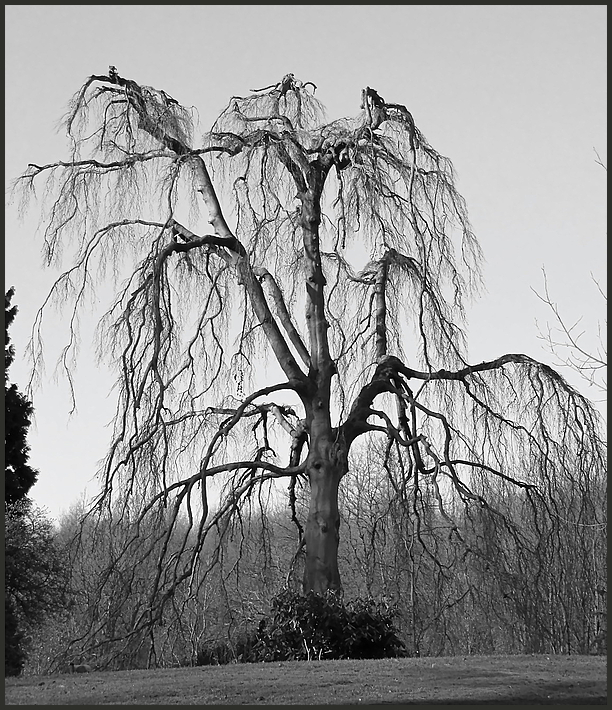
[(342, 251), (565, 343)]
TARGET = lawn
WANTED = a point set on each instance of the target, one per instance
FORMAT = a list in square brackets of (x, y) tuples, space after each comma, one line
[(473, 679)]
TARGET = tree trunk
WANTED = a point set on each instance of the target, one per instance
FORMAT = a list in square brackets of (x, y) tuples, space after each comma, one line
[(325, 467)]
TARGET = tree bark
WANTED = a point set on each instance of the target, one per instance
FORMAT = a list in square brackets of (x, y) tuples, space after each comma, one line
[(325, 466)]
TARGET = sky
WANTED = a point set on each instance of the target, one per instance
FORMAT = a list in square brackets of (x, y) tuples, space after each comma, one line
[(514, 95)]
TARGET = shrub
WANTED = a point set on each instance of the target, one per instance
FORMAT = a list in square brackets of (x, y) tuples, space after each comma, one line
[(214, 654), (371, 632), (217, 653), (314, 626)]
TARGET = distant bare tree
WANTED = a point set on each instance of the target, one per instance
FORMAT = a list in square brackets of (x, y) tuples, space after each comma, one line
[(343, 251), (565, 342)]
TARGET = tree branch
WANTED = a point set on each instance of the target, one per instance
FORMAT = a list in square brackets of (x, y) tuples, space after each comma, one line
[(285, 318)]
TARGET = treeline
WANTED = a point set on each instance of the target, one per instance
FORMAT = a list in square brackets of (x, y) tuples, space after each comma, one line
[(520, 575), (523, 574)]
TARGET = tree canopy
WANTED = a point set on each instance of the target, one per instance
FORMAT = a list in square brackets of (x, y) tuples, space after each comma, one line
[(341, 254)]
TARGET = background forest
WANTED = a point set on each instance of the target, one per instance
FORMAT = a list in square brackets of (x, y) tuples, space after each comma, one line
[(546, 595)]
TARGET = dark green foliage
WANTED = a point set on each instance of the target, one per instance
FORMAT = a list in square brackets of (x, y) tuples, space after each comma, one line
[(19, 476), (314, 626)]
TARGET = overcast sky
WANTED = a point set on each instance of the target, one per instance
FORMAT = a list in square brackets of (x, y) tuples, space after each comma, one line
[(514, 95)]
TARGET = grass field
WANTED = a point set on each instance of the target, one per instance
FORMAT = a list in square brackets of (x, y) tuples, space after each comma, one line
[(488, 680)]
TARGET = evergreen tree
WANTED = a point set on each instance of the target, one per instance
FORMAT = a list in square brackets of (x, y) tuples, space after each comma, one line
[(19, 476), (33, 571)]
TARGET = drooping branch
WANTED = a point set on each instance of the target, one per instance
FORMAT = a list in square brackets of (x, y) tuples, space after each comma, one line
[(150, 444), (140, 101), (531, 427)]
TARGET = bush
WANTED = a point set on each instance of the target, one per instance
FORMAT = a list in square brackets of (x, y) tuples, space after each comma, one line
[(314, 626), (217, 653), (372, 633), (214, 654)]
